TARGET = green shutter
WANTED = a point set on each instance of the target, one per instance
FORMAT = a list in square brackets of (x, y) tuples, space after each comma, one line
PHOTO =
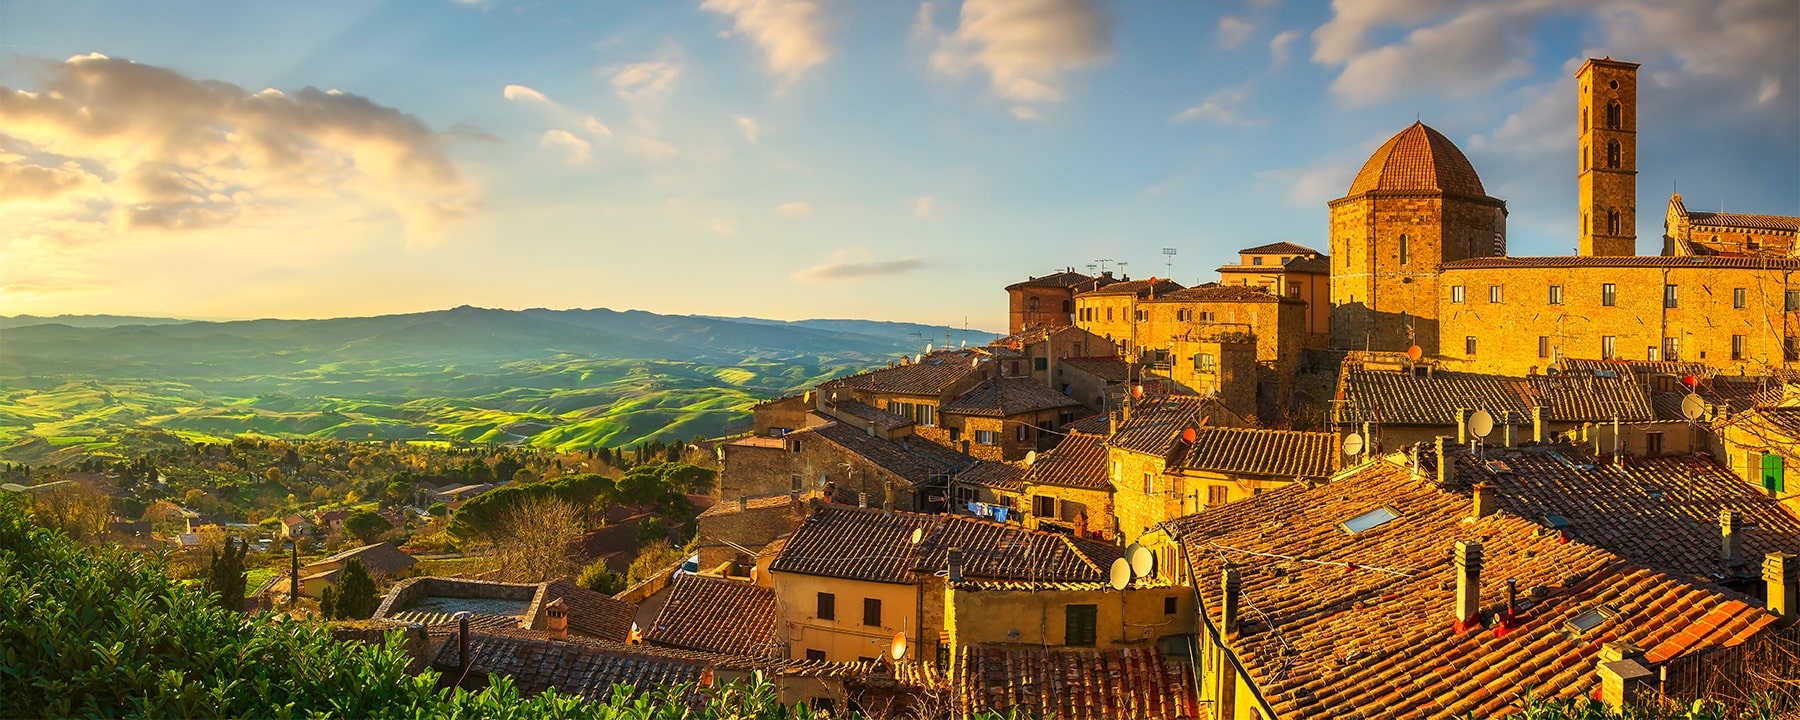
[(1079, 630), (1040, 363), (1772, 473)]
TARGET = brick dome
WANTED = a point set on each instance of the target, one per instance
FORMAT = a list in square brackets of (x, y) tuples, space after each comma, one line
[(1419, 159)]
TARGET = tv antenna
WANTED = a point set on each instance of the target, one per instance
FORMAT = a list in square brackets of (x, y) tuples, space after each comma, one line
[(1169, 261), (1102, 263), (1120, 266)]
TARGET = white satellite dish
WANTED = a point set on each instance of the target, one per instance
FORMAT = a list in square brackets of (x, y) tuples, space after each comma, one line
[(755, 573), (917, 358), (1030, 458), (1353, 444), (898, 649), (918, 535), (928, 347), (1143, 562), (1692, 407), (1121, 574), (975, 361), (1481, 423)]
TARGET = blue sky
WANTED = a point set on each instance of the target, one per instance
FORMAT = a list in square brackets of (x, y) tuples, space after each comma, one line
[(804, 158)]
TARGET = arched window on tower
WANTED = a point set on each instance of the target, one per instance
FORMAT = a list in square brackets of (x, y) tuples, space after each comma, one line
[(1403, 249), (1612, 222), (1612, 115), (1584, 118), (1584, 159), (1612, 153)]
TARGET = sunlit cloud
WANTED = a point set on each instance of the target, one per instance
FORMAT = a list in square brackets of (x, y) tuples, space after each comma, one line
[(790, 32), (747, 126), (854, 264), (925, 206), (1233, 33), (1281, 47), (524, 94), (645, 82), (575, 150), (795, 210), (1224, 107), (1025, 46)]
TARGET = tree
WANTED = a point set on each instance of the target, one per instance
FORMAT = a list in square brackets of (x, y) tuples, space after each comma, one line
[(438, 510), (353, 596), (225, 576), (653, 557), (396, 493), (601, 579), (366, 526), (79, 509), (532, 539)]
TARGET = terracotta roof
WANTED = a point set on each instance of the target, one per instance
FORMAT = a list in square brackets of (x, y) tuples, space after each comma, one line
[(1418, 159), (1652, 261), (1743, 221), (1782, 419), (1110, 369), (855, 544), (1157, 422), (1098, 424), (1394, 398), (334, 515), (1078, 461), (879, 417), (1284, 453), (1739, 392), (380, 558), (1213, 292), (1638, 367), (1279, 248), (729, 506), (996, 475), (1327, 641), (1320, 265), (1033, 335), (1064, 279), (1140, 288), (1000, 551), (591, 613), (1005, 397), (591, 668), (1073, 684), (914, 460), (716, 615), (930, 376), (292, 520)]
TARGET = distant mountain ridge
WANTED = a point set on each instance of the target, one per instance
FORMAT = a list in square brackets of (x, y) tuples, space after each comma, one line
[(85, 320)]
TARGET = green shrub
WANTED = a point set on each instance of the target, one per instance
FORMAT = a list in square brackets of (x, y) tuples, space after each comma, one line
[(601, 579)]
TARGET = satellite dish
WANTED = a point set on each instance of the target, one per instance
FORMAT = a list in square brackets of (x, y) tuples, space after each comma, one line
[(1414, 353), (1121, 574), (1030, 458), (898, 649), (1690, 381), (1189, 436), (1143, 562), (1481, 423), (1137, 391), (1353, 445), (755, 572), (1692, 407), (917, 358), (975, 361), (918, 535), (929, 346)]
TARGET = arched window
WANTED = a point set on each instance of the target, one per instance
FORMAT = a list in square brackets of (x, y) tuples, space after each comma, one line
[(1584, 118), (1584, 158), (1403, 249), (1612, 153), (1612, 115), (1612, 222)]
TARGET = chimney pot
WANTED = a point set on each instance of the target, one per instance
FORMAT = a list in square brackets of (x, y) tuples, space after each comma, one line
[(1540, 430), (1781, 571), (1468, 583), (1462, 426), (1624, 680), (1446, 463), (953, 562), (862, 499), (1508, 436), (556, 616), (743, 503), (1228, 606), (1484, 500), (462, 643), (1729, 525)]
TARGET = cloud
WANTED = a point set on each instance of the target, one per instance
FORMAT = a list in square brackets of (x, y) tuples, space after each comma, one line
[(651, 148), (576, 150), (925, 206), (126, 147), (854, 264), (1025, 46), (645, 82), (1221, 108), (748, 126), (1468, 55), (1025, 112), (1233, 33), (795, 210), (596, 127), (1280, 47), (791, 32), (723, 226), (520, 93), (1311, 187)]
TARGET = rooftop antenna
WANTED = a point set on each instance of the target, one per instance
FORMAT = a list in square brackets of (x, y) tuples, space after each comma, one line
[(1121, 264), (1169, 262), (1102, 262)]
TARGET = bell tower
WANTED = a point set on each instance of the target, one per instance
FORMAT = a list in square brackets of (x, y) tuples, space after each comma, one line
[(1608, 140)]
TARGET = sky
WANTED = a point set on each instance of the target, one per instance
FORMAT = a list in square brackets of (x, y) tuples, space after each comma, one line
[(791, 159)]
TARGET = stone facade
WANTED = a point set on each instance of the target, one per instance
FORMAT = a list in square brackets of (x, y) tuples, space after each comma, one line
[(780, 416), (1145, 493), (1047, 301), (1084, 511), (1722, 233), (1607, 179), (1386, 249), (748, 523), (1225, 370), (1289, 271)]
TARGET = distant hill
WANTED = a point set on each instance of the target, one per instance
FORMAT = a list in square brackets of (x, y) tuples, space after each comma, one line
[(84, 321), (906, 332), (564, 378)]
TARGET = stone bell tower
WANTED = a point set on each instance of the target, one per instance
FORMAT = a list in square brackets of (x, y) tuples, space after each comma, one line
[(1608, 139)]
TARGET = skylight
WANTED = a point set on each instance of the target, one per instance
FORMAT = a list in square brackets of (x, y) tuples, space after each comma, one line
[(1587, 620), (1367, 521)]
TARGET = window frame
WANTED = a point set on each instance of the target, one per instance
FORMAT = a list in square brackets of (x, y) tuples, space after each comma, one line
[(826, 609), (1456, 294), (1081, 624), (1496, 294), (1469, 344), (1556, 294), (1609, 295), (871, 612), (1671, 296)]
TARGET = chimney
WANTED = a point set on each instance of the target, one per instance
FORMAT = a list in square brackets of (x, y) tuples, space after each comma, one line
[(862, 499), (1508, 436), (1468, 583), (953, 562), (1782, 572), (743, 503), (1624, 680), (1112, 423), (556, 616), (887, 500), (1596, 438), (1729, 525), (1462, 426), (1369, 439), (462, 644), (1446, 463), (1540, 430), (1228, 605), (1484, 500)]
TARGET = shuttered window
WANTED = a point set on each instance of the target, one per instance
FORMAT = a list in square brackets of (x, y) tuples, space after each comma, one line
[(1079, 630), (872, 612), (827, 606)]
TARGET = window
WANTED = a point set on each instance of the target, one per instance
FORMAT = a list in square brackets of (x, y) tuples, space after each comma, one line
[(1067, 304), (1403, 249), (1584, 118), (1791, 348), (815, 655), (1609, 347), (1034, 304), (1496, 293), (1456, 293), (1256, 260), (1169, 606), (1653, 443), (793, 446), (1366, 521), (1671, 296), (1609, 294), (1612, 222), (1070, 511), (1671, 349), (1469, 345), (794, 482), (1737, 298), (1588, 620), (1149, 484), (1021, 433), (1612, 112), (1015, 368), (1079, 627), (1737, 346), (1040, 364), (985, 437), (1792, 302), (1543, 346), (965, 494), (872, 612), (1556, 295), (1109, 314), (955, 434), (827, 606), (1773, 474), (1043, 506), (1612, 153), (1217, 495)]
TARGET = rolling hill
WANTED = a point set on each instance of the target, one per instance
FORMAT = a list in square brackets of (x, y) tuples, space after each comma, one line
[(561, 378)]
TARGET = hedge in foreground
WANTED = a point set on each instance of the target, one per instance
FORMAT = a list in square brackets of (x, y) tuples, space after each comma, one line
[(103, 632)]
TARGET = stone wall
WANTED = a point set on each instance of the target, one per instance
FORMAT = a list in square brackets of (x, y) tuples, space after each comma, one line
[(1052, 307), (1095, 504)]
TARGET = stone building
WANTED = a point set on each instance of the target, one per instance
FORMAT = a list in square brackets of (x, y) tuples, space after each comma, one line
[(1729, 234), (1006, 418), (1290, 271), (1114, 311), (1047, 301), (1067, 489), (1040, 352), (1607, 177), (1276, 325)]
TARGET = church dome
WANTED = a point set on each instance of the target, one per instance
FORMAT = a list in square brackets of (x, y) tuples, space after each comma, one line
[(1419, 159)]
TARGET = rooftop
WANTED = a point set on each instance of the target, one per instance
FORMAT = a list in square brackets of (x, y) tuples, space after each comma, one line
[(1064, 279), (1279, 248), (1743, 221), (1652, 261), (1399, 398), (1213, 292), (1109, 369), (1005, 397), (1140, 288), (1074, 684), (1418, 159), (1078, 461), (930, 376), (914, 460), (1157, 421), (380, 558), (855, 544), (876, 546), (996, 475), (1282, 453), (716, 615), (882, 419)]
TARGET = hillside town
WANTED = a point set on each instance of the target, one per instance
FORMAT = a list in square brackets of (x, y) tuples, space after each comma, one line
[(1407, 476)]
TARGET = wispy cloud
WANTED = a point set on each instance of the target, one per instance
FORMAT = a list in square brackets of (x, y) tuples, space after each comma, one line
[(925, 206), (794, 210), (747, 125), (1025, 46), (644, 82), (576, 150), (1221, 108), (522, 93), (790, 32), (852, 265), (1233, 33), (1281, 47), (1310, 187)]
